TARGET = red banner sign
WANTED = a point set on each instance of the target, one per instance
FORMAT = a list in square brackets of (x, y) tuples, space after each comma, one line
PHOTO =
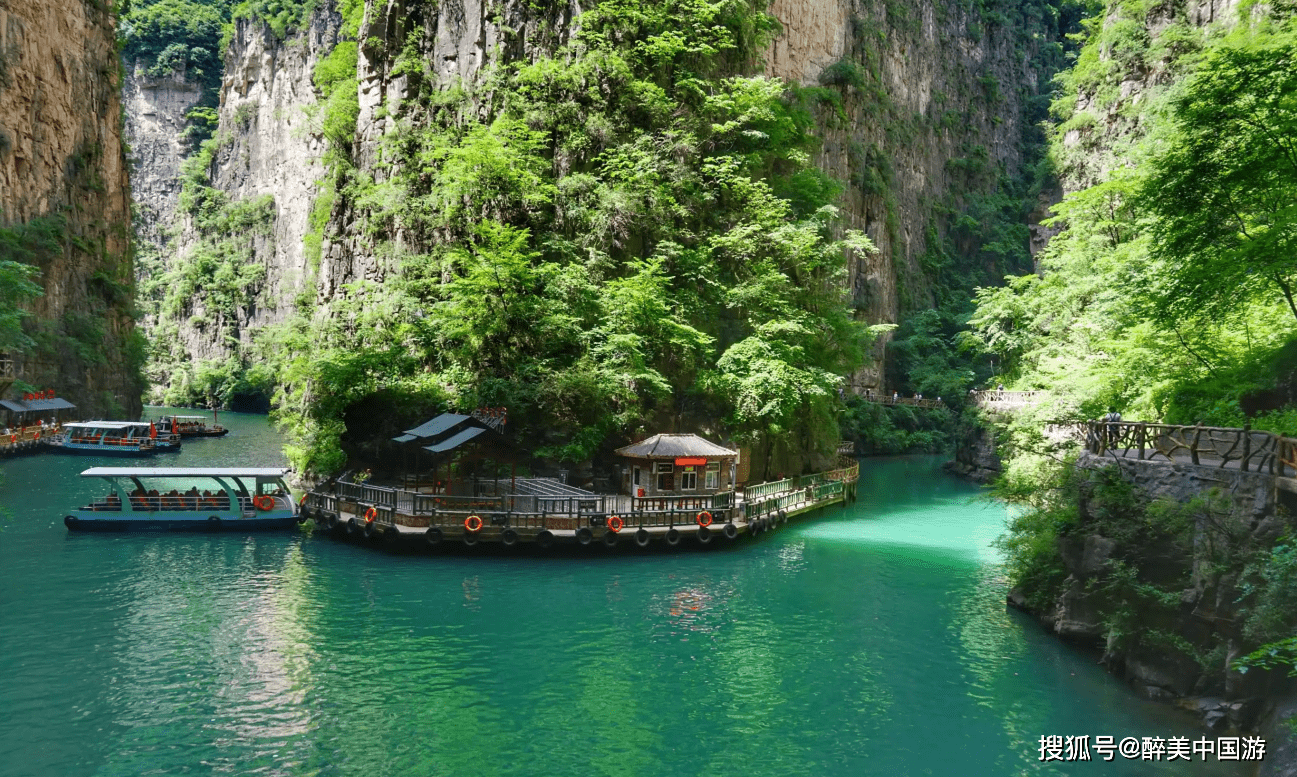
[(690, 461)]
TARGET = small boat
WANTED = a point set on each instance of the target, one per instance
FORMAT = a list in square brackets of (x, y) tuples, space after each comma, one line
[(106, 438), (187, 499), (191, 426)]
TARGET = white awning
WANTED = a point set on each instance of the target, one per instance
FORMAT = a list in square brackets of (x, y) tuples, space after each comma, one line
[(185, 472)]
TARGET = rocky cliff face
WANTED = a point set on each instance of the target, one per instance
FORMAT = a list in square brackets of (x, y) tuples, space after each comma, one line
[(936, 102), (265, 160), (929, 111), (155, 123), (1184, 531), (62, 167)]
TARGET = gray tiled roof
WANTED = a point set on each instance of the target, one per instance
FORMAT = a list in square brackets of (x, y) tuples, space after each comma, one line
[(455, 441), (36, 405), (436, 426), (670, 446)]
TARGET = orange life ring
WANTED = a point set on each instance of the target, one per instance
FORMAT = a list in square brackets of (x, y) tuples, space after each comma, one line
[(263, 502), (473, 523), (13, 439), (704, 519), (615, 524), (371, 514)]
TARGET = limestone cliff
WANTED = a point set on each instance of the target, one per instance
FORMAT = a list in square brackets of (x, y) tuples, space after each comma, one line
[(265, 159), (62, 167), (935, 105), (932, 108), (155, 124), (935, 114)]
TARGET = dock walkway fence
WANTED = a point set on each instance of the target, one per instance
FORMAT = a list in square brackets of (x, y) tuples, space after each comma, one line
[(1223, 447), (572, 511), (23, 437)]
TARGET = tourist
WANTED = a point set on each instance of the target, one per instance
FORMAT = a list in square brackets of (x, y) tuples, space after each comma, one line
[(364, 475), (1113, 418)]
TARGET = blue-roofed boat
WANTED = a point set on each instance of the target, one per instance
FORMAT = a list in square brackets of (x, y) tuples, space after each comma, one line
[(108, 438), (187, 499)]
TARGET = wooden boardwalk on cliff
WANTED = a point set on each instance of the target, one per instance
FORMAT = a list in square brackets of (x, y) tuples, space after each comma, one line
[(1226, 448), (402, 516)]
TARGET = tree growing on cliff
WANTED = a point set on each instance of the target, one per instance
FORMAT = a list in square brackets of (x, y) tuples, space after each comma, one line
[(18, 246), (1222, 191)]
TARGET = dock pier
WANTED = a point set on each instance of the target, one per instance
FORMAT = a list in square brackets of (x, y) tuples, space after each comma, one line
[(402, 517)]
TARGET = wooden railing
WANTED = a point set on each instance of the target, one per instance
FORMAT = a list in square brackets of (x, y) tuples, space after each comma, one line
[(765, 489), (573, 511), (28, 434), (1006, 400), (1204, 445)]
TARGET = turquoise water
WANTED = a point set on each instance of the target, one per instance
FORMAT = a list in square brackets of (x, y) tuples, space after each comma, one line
[(869, 641)]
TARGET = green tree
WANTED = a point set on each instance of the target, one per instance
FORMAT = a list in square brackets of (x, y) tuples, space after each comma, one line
[(20, 245), (1222, 192)]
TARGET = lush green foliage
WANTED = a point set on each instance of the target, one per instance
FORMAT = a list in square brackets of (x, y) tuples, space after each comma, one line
[(881, 429), (177, 36), (20, 247), (210, 286), (625, 231), (1222, 192), (1139, 303), (1165, 295)]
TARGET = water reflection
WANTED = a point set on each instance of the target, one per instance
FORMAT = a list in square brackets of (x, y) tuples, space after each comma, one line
[(871, 641)]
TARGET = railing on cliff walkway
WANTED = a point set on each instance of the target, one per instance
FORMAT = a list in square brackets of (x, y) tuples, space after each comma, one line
[(1005, 400), (929, 404), (1222, 447)]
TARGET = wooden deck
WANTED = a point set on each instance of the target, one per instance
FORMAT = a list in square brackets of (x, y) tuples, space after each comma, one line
[(402, 517)]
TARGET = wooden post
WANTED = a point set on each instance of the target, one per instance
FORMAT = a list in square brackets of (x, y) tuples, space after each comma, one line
[(1140, 434), (1193, 447), (1247, 446)]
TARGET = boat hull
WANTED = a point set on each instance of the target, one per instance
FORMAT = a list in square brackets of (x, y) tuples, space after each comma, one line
[(164, 523), (101, 450), (204, 433)]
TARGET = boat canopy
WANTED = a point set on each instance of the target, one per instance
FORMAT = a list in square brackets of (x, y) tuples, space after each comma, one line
[(188, 417), (185, 472), (106, 424)]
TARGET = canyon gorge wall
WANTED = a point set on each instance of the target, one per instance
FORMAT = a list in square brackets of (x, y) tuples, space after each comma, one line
[(65, 201), (263, 163), (933, 107)]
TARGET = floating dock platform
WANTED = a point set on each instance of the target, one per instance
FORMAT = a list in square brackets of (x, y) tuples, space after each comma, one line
[(401, 517)]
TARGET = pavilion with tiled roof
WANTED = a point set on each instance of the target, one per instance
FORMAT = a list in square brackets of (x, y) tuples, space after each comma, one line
[(677, 464)]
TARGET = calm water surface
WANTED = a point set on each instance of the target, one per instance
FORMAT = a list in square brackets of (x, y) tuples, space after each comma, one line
[(870, 641)]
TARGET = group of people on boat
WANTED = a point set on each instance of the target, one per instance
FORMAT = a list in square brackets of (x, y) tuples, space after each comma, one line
[(175, 500)]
